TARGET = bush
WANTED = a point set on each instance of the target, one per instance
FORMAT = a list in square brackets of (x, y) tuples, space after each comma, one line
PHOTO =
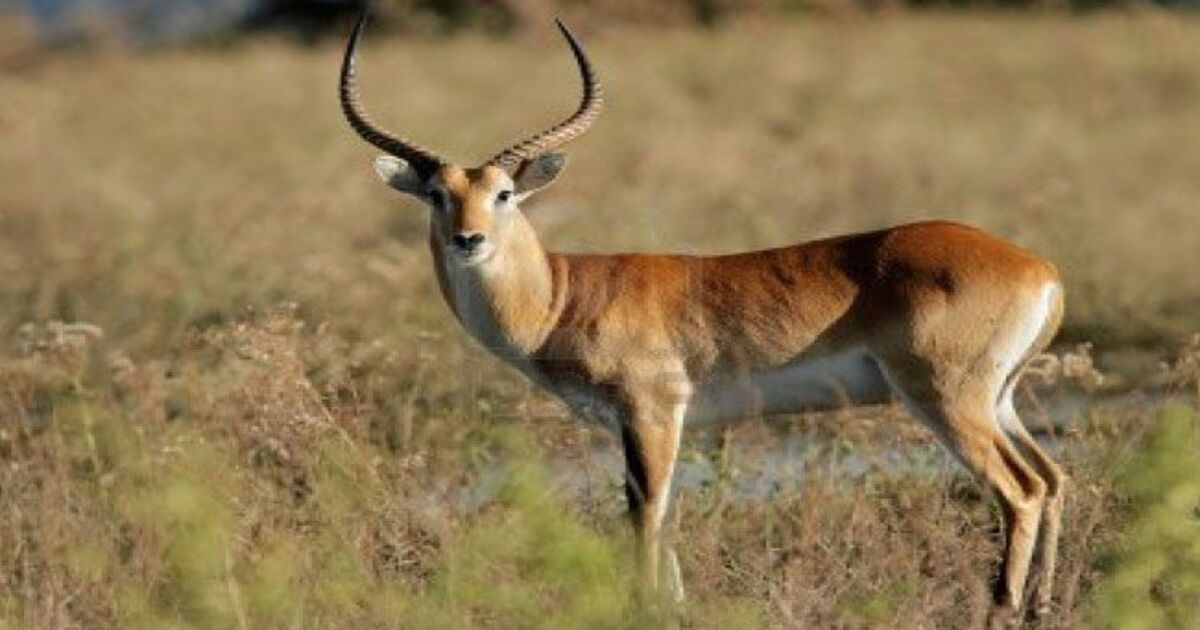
[(1155, 568)]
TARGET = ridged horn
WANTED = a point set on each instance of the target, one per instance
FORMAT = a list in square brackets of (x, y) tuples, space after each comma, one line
[(573, 127), (423, 160)]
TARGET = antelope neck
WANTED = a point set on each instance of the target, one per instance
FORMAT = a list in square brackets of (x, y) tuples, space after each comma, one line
[(510, 302)]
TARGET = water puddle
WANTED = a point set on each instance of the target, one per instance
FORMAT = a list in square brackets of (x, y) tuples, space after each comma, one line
[(770, 459)]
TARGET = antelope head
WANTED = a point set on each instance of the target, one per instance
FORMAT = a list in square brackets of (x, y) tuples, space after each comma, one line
[(475, 209)]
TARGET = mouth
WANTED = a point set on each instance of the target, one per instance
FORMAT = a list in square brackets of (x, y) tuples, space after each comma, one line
[(474, 257)]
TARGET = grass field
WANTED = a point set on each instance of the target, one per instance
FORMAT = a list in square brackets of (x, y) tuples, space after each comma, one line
[(258, 408)]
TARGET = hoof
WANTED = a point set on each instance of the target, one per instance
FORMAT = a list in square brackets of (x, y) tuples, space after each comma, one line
[(1003, 617)]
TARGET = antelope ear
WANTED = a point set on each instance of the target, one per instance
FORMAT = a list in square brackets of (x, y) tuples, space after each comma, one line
[(538, 173), (398, 174)]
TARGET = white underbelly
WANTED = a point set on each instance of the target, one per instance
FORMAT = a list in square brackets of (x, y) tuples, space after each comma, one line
[(590, 405), (845, 379)]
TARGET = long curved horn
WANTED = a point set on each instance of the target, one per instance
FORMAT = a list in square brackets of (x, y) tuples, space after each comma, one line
[(567, 130), (423, 160)]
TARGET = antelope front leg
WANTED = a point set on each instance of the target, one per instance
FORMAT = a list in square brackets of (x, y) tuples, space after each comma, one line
[(650, 438)]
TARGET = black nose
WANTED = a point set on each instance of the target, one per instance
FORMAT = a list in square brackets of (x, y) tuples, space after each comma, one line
[(467, 241)]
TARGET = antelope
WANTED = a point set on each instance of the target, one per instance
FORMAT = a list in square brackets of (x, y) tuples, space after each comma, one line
[(936, 314)]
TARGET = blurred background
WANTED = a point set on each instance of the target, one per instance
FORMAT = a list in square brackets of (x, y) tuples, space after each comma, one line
[(155, 22), (231, 396), (1069, 126)]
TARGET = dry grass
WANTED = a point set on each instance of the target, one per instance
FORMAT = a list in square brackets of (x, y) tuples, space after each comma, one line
[(219, 461), (248, 485)]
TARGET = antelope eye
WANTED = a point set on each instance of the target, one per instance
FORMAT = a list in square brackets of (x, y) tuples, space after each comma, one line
[(437, 197), (504, 196)]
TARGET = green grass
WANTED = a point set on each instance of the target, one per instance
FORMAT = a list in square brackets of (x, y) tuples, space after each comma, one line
[(1155, 580)]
